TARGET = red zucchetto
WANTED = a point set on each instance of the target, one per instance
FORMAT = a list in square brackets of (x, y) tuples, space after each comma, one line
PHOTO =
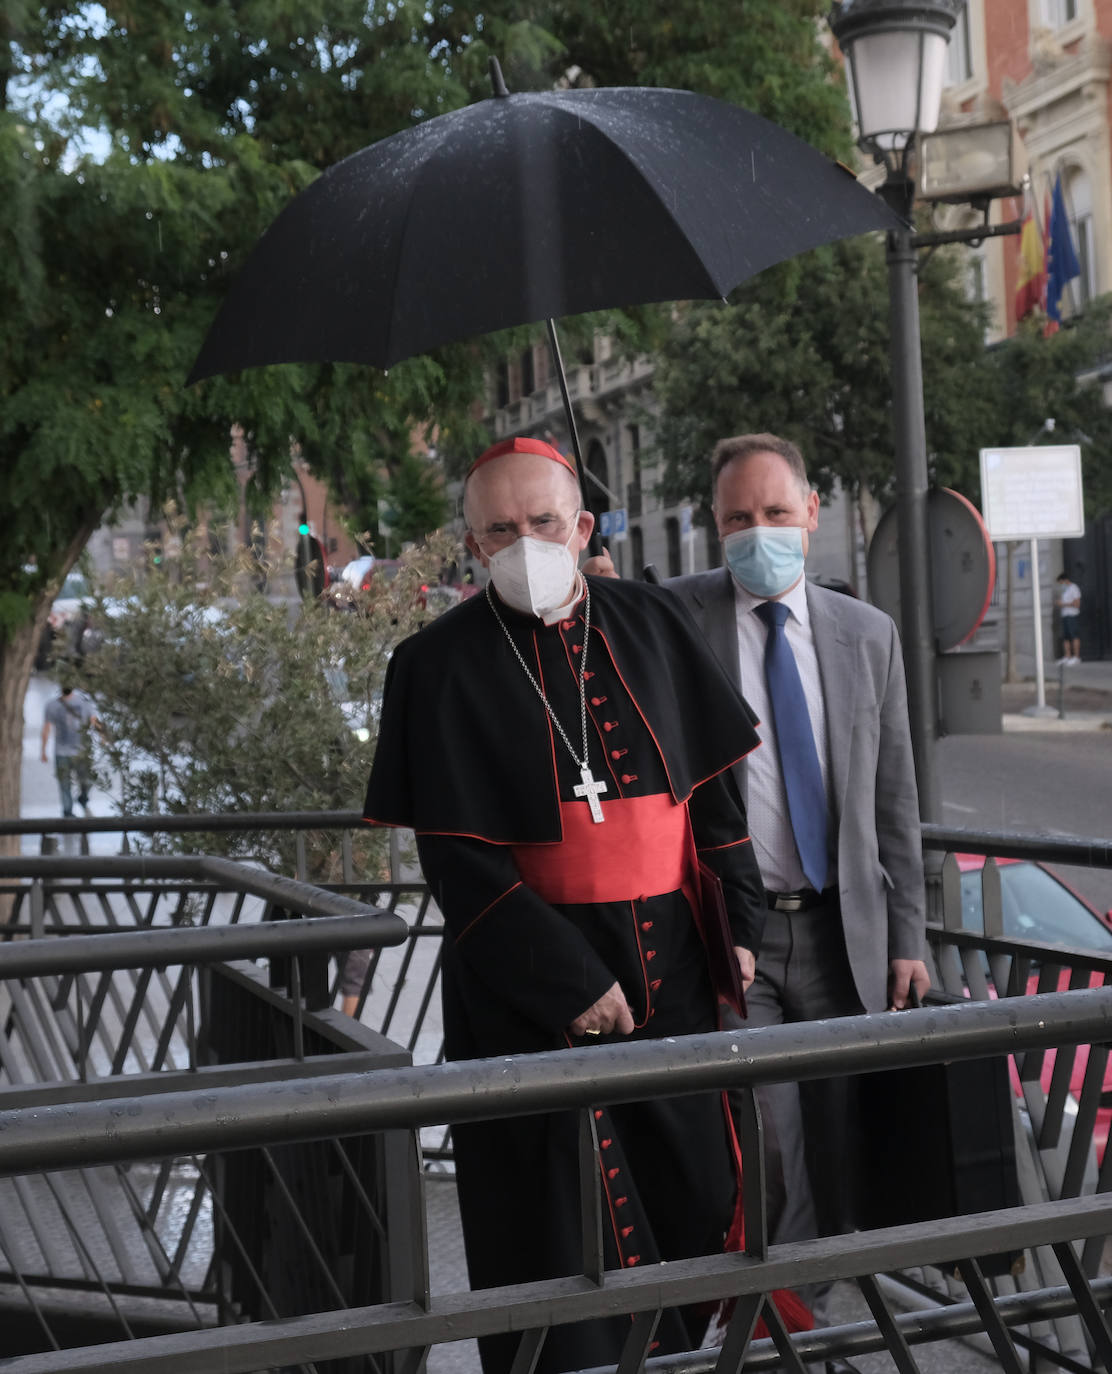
[(520, 445)]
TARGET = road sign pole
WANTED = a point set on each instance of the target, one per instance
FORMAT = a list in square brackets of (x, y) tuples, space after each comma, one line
[(1036, 611)]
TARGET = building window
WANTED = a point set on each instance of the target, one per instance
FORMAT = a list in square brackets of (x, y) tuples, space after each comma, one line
[(528, 376), (1084, 229), (977, 276), (502, 385), (599, 491), (959, 60), (714, 548), (1079, 210), (672, 535), (637, 551), (1058, 13), (633, 494)]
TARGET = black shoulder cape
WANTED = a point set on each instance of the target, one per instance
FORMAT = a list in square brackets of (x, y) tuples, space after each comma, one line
[(463, 744)]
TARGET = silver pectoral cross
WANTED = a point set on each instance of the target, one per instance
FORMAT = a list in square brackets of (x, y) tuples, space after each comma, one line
[(590, 789)]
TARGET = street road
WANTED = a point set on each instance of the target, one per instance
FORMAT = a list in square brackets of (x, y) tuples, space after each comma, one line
[(1059, 784)]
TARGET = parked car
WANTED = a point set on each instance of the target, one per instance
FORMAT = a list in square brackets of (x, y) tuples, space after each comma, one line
[(361, 573), (1039, 905), (62, 631)]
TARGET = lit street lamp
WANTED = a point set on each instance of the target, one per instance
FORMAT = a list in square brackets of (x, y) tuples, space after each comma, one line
[(895, 52)]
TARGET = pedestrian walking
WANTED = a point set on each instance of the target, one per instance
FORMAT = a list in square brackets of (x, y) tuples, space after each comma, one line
[(71, 714)]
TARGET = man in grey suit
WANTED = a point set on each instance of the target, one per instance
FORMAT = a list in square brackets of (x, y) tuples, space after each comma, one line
[(845, 926)]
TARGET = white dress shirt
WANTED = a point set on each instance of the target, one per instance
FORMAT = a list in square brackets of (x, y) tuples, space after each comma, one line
[(770, 824)]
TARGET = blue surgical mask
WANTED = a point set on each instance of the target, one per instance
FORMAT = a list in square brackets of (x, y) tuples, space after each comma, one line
[(765, 559)]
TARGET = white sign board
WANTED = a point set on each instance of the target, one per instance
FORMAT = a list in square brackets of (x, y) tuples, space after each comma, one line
[(685, 519), (1032, 493), (614, 524)]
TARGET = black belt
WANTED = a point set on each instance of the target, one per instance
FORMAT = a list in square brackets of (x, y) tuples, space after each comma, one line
[(800, 901)]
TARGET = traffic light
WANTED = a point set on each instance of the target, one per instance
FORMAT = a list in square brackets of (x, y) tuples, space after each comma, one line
[(303, 527), (309, 567)]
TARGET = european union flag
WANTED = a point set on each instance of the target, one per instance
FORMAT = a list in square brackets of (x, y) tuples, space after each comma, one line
[(1062, 265)]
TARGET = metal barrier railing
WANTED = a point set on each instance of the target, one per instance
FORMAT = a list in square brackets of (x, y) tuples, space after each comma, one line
[(272, 1112), (121, 1001), (1060, 1089)]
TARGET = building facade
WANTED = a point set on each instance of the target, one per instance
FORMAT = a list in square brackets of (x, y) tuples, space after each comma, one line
[(1047, 64)]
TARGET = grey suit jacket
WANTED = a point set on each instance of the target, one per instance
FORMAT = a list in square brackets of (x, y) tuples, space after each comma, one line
[(872, 773)]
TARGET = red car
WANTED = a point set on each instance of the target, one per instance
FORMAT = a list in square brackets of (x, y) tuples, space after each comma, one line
[(1038, 905)]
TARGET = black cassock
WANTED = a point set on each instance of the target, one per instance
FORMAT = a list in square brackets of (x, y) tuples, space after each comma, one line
[(468, 758)]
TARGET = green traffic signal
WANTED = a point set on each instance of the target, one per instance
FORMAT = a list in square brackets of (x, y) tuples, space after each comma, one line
[(303, 528)]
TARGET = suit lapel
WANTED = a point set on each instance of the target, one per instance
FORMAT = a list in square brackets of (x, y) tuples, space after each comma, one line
[(717, 620), (837, 658), (716, 612)]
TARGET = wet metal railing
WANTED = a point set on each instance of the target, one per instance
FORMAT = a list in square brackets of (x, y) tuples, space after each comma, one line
[(270, 1113), (1061, 1125), (108, 990)]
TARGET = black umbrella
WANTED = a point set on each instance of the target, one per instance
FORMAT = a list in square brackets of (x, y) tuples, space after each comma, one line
[(526, 207)]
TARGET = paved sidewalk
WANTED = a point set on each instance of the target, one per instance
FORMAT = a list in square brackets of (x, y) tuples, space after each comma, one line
[(39, 788), (1078, 697)]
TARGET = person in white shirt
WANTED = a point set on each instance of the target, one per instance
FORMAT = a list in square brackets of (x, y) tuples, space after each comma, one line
[(1068, 600)]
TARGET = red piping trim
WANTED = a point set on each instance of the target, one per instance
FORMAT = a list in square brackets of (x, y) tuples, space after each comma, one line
[(485, 909), (644, 970)]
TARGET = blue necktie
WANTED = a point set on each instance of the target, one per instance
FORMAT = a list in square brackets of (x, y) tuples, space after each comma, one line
[(799, 759)]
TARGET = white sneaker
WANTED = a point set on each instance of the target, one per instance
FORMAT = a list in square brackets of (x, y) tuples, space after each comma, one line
[(1060, 661), (1073, 660)]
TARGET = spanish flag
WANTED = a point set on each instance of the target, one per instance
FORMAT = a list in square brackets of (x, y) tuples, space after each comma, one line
[(1030, 288)]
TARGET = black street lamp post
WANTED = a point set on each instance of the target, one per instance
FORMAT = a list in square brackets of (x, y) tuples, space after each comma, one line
[(895, 52)]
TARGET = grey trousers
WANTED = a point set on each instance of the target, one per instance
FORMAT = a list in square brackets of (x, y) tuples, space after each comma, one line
[(803, 974)]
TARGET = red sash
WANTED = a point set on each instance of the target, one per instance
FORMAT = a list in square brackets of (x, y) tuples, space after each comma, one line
[(640, 850)]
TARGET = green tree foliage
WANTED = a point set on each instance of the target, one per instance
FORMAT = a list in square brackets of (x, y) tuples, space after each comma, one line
[(764, 54), (803, 350), (204, 121), (215, 699)]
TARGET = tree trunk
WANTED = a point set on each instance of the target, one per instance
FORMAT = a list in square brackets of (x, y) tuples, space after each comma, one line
[(17, 657), (18, 646)]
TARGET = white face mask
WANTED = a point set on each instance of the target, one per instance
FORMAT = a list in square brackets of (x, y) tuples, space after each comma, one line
[(535, 576)]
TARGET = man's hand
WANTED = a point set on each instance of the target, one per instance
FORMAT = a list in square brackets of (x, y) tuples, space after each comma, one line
[(610, 1013), (747, 963), (600, 565), (901, 974)]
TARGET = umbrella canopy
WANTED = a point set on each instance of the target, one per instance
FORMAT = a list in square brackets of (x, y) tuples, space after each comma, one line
[(527, 207)]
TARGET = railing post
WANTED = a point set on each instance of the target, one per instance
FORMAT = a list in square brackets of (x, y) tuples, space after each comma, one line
[(38, 909), (407, 1251), (590, 1198), (751, 1134)]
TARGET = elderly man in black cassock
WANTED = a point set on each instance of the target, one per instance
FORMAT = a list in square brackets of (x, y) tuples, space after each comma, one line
[(561, 746)]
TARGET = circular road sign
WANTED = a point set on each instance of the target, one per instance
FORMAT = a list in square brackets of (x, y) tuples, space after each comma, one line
[(963, 566)]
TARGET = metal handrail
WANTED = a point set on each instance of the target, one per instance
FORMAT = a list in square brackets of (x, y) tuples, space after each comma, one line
[(112, 948), (206, 869), (156, 823), (1071, 849), (345, 1104)]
